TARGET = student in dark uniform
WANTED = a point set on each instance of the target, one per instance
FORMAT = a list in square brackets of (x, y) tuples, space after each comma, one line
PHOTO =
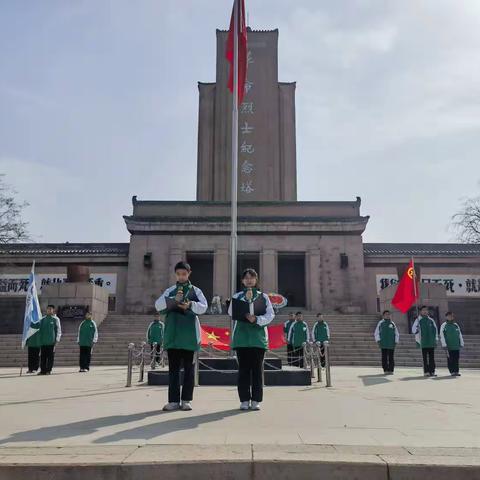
[(298, 336), (426, 335), (452, 340), (250, 341), (87, 338), (387, 336), (50, 333), (182, 335), (155, 338), (33, 344), (286, 329)]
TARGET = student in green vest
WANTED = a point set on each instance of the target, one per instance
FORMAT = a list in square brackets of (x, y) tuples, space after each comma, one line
[(426, 335), (321, 336), (286, 329), (182, 335), (50, 332), (33, 344), (155, 338), (250, 341), (452, 340), (387, 336), (87, 337), (298, 336)]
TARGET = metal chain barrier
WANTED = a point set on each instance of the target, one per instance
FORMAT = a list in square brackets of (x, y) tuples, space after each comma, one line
[(312, 358)]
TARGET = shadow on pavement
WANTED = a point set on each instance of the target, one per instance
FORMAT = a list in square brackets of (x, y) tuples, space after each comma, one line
[(188, 422), (377, 379), (84, 427)]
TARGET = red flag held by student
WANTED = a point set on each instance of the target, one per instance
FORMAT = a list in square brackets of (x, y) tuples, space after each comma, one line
[(407, 290), (242, 49)]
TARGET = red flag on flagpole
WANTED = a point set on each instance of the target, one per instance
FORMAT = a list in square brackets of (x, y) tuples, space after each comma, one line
[(407, 290), (241, 31)]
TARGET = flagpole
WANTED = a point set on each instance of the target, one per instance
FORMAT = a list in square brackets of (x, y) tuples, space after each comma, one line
[(234, 186), (415, 286)]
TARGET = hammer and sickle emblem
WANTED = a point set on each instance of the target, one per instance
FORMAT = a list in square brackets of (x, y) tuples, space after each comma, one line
[(410, 272)]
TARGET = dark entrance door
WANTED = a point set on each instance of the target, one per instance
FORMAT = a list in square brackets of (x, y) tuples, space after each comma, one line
[(247, 260), (291, 278), (202, 272)]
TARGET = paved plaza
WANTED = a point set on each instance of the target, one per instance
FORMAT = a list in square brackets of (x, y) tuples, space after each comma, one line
[(362, 408)]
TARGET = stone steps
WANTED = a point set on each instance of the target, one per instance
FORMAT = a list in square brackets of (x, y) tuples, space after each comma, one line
[(352, 342)]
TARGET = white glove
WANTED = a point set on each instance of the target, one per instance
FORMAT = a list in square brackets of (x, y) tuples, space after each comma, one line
[(326, 342)]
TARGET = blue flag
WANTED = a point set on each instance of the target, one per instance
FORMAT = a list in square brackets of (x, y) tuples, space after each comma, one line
[(33, 313)]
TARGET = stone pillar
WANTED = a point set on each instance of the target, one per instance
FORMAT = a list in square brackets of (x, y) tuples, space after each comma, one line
[(175, 255), (221, 273), (268, 271), (312, 280)]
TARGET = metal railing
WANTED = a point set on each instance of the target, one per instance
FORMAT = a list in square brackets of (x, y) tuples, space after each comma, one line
[(315, 355), (312, 360)]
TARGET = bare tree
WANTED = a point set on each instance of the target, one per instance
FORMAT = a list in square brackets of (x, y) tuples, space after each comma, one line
[(466, 222), (12, 228)]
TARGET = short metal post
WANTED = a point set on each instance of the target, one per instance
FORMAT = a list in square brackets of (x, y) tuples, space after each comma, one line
[(327, 366), (312, 363), (197, 369), (162, 357), (305, 356), (319, 364), (142, 362), (131, 346), (153, 360)]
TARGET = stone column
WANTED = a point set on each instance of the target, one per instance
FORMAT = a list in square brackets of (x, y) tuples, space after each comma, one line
[(312, 280), (175, 255), (221, 273), (268, 271)]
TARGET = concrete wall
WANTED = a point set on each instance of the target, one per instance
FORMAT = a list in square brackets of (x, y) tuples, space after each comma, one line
[(65, 294), (50, 265)]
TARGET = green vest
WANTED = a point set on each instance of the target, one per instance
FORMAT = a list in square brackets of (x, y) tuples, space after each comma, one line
[(34, 341), (155, 332), (86, 332), (428, 333), (451, 333), (286, 328), (47, 330), (299, 334), (320, 332), (246, 334), (182, 331), (387, 334)]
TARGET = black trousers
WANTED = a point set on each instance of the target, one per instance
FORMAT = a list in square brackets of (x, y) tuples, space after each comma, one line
[(85, 357), (289, 353), (297, 357), (428, 360), (388, 363), (47, 355), (250, 373), (33, 358), (452, 360), (177, 357), (156, 352)]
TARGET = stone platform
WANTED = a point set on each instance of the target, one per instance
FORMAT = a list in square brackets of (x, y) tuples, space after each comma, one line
[(224, 372), (367, 426)]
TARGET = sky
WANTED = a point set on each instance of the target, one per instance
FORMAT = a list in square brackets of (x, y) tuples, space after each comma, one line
[(99, 98)]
